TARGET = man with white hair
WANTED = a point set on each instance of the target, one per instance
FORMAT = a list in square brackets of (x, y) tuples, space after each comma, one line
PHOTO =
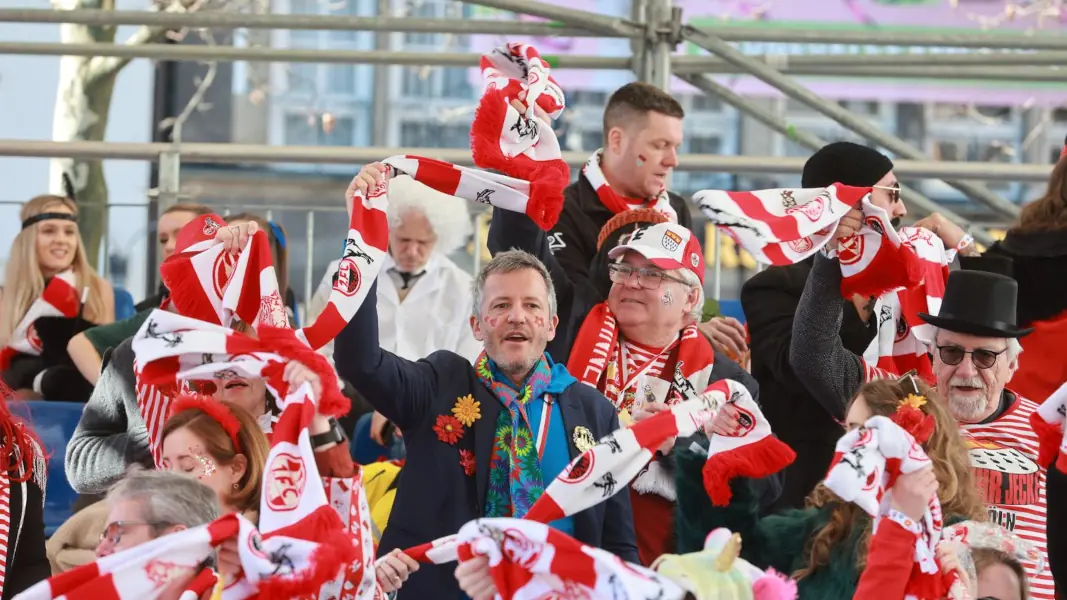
[(427, 305)]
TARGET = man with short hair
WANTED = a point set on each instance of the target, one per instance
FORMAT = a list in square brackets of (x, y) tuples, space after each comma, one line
[(642, 137), (146, 505), (483, 440)]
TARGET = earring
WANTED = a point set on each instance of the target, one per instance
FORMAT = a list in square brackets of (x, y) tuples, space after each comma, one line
[(235, 486)]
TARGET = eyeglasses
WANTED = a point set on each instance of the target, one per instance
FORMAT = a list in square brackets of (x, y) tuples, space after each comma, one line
[(982, 358), (647, 278), (114, 530), (894, 192)]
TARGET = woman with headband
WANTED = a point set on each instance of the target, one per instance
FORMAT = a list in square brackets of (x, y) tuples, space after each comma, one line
[(51, 293)]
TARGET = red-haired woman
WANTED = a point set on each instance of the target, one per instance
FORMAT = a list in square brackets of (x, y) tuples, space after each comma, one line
[(22, 482)]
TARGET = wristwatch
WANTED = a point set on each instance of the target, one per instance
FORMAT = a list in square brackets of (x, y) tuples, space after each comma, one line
[(335, 435)]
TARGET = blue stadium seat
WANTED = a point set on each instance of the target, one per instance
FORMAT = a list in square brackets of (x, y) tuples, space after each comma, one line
[(54, 423), (124, 304), (732, 308)]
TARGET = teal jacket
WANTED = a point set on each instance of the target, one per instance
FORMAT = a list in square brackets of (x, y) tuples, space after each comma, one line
[(776, 541)]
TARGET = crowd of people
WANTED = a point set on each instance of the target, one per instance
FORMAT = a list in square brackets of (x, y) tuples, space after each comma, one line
[(568, 422)]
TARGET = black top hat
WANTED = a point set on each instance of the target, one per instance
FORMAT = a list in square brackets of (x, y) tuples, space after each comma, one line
[(979, 303)]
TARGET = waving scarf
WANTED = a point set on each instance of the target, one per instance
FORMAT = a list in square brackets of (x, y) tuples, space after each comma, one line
[(866, 464), (176, 347), (59, 299), (1048, 422), (608, 467), (906, 270)]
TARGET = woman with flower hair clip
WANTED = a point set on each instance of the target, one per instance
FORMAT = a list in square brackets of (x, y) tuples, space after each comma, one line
[(825, 545)]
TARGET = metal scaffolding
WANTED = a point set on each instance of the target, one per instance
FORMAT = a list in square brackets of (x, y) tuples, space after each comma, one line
[(655, 30)]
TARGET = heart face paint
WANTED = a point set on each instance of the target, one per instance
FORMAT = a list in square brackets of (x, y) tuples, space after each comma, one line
[(540, 322), (641, 160), (492, 321), (668, 298)]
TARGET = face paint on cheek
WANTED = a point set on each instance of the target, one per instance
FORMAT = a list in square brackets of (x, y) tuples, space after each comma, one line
[(492, 321), (641, 160), (206, 464), (540, 322), (668, 298)]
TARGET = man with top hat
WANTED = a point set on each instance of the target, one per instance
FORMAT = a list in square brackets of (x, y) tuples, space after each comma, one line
[(975, 352), (483, 439)]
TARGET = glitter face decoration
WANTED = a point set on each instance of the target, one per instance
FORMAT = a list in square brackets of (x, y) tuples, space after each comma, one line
[(540, 321), (668, 298), (207, 465)]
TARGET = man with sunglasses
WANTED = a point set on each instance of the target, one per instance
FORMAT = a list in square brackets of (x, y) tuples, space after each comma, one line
[(976, 354)]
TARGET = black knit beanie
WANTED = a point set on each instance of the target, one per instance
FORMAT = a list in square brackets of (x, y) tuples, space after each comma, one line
[(847, 163)]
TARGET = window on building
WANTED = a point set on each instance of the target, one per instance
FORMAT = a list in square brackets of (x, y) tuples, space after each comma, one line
[(304, 37), (300, 130), (591, 140), (345, 8), (705, 144), (341, 79), (455, 82), (416, 82), (341, 134), (425, 9), (432, 134), (949, 150), (706, 103), (587, 98), (303, 78), (861, 107)]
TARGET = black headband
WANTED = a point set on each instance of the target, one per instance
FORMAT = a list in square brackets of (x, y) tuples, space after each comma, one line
[(48, 216)]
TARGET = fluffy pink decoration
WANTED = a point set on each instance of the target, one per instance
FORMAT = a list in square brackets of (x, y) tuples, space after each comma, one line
[(774, 586)]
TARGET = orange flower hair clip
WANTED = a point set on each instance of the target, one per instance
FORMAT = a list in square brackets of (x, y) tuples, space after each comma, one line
[(912, 419)]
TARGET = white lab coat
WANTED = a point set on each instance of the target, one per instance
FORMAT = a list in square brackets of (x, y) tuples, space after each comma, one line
[(434, 316)]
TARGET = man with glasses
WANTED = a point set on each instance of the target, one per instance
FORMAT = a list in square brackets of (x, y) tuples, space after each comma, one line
[(975, 356), (146, 505)]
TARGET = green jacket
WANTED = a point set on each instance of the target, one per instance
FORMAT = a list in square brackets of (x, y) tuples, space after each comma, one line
[(776, 541)]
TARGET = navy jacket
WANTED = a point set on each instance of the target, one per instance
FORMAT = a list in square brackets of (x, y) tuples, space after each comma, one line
[(435, 498)]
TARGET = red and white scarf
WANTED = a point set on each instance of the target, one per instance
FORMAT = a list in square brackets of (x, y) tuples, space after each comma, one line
[(173, 347), (612, 464), (532, 561), (906, 270), (59, 299), (867, 462), (598, 360), (149, 570), (210, 284), (1048, 422), (616, 203)]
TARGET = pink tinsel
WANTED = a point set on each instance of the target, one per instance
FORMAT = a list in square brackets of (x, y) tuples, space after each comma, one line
[(774, 586)]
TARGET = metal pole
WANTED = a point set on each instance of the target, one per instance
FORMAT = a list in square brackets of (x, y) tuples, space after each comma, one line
[(831, 109), (659, 40), (576, 18), (309, 264), (639, 45), (874, 37), (380, 108), (233, 20), (813, 142), (194, 153)]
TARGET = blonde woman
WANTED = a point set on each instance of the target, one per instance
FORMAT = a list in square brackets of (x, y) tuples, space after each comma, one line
[(49, 245)]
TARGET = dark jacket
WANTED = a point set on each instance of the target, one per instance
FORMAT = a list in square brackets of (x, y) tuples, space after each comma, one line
[(1056, 525), (27, 562), (770, 300), (573, 239), (435, 498)]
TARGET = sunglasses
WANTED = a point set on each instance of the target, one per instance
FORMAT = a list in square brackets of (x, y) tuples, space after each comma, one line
[(954, 355), (114, 530), (894, 191), (647, 278)]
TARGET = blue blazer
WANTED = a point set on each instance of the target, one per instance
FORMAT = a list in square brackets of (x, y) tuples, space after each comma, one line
[(435, 498)]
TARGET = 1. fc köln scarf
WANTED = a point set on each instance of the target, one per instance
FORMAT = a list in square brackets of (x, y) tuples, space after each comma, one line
[(162, 568), (532, 561), (612, 464), (59, 299), (210, 284), (866, 464)]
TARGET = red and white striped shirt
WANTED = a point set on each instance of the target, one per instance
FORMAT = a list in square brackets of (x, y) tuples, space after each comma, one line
[(1004, 460)]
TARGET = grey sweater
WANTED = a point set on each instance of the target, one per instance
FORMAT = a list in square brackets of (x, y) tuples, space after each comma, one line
[(831, 373), (111, 435)]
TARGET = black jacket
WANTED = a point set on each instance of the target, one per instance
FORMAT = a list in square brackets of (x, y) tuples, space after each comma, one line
[(573, 239), (1039, 261), (770, 300), (435, 498), (27, 563)]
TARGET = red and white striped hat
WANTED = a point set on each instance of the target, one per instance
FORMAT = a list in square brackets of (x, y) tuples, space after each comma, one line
[(668, 245)]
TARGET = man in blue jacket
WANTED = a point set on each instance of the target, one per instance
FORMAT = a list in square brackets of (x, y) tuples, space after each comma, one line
[(484, 440)]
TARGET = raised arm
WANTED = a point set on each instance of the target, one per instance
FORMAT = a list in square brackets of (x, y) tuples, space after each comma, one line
[(829, 371), (400, 389), (105, 442)]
